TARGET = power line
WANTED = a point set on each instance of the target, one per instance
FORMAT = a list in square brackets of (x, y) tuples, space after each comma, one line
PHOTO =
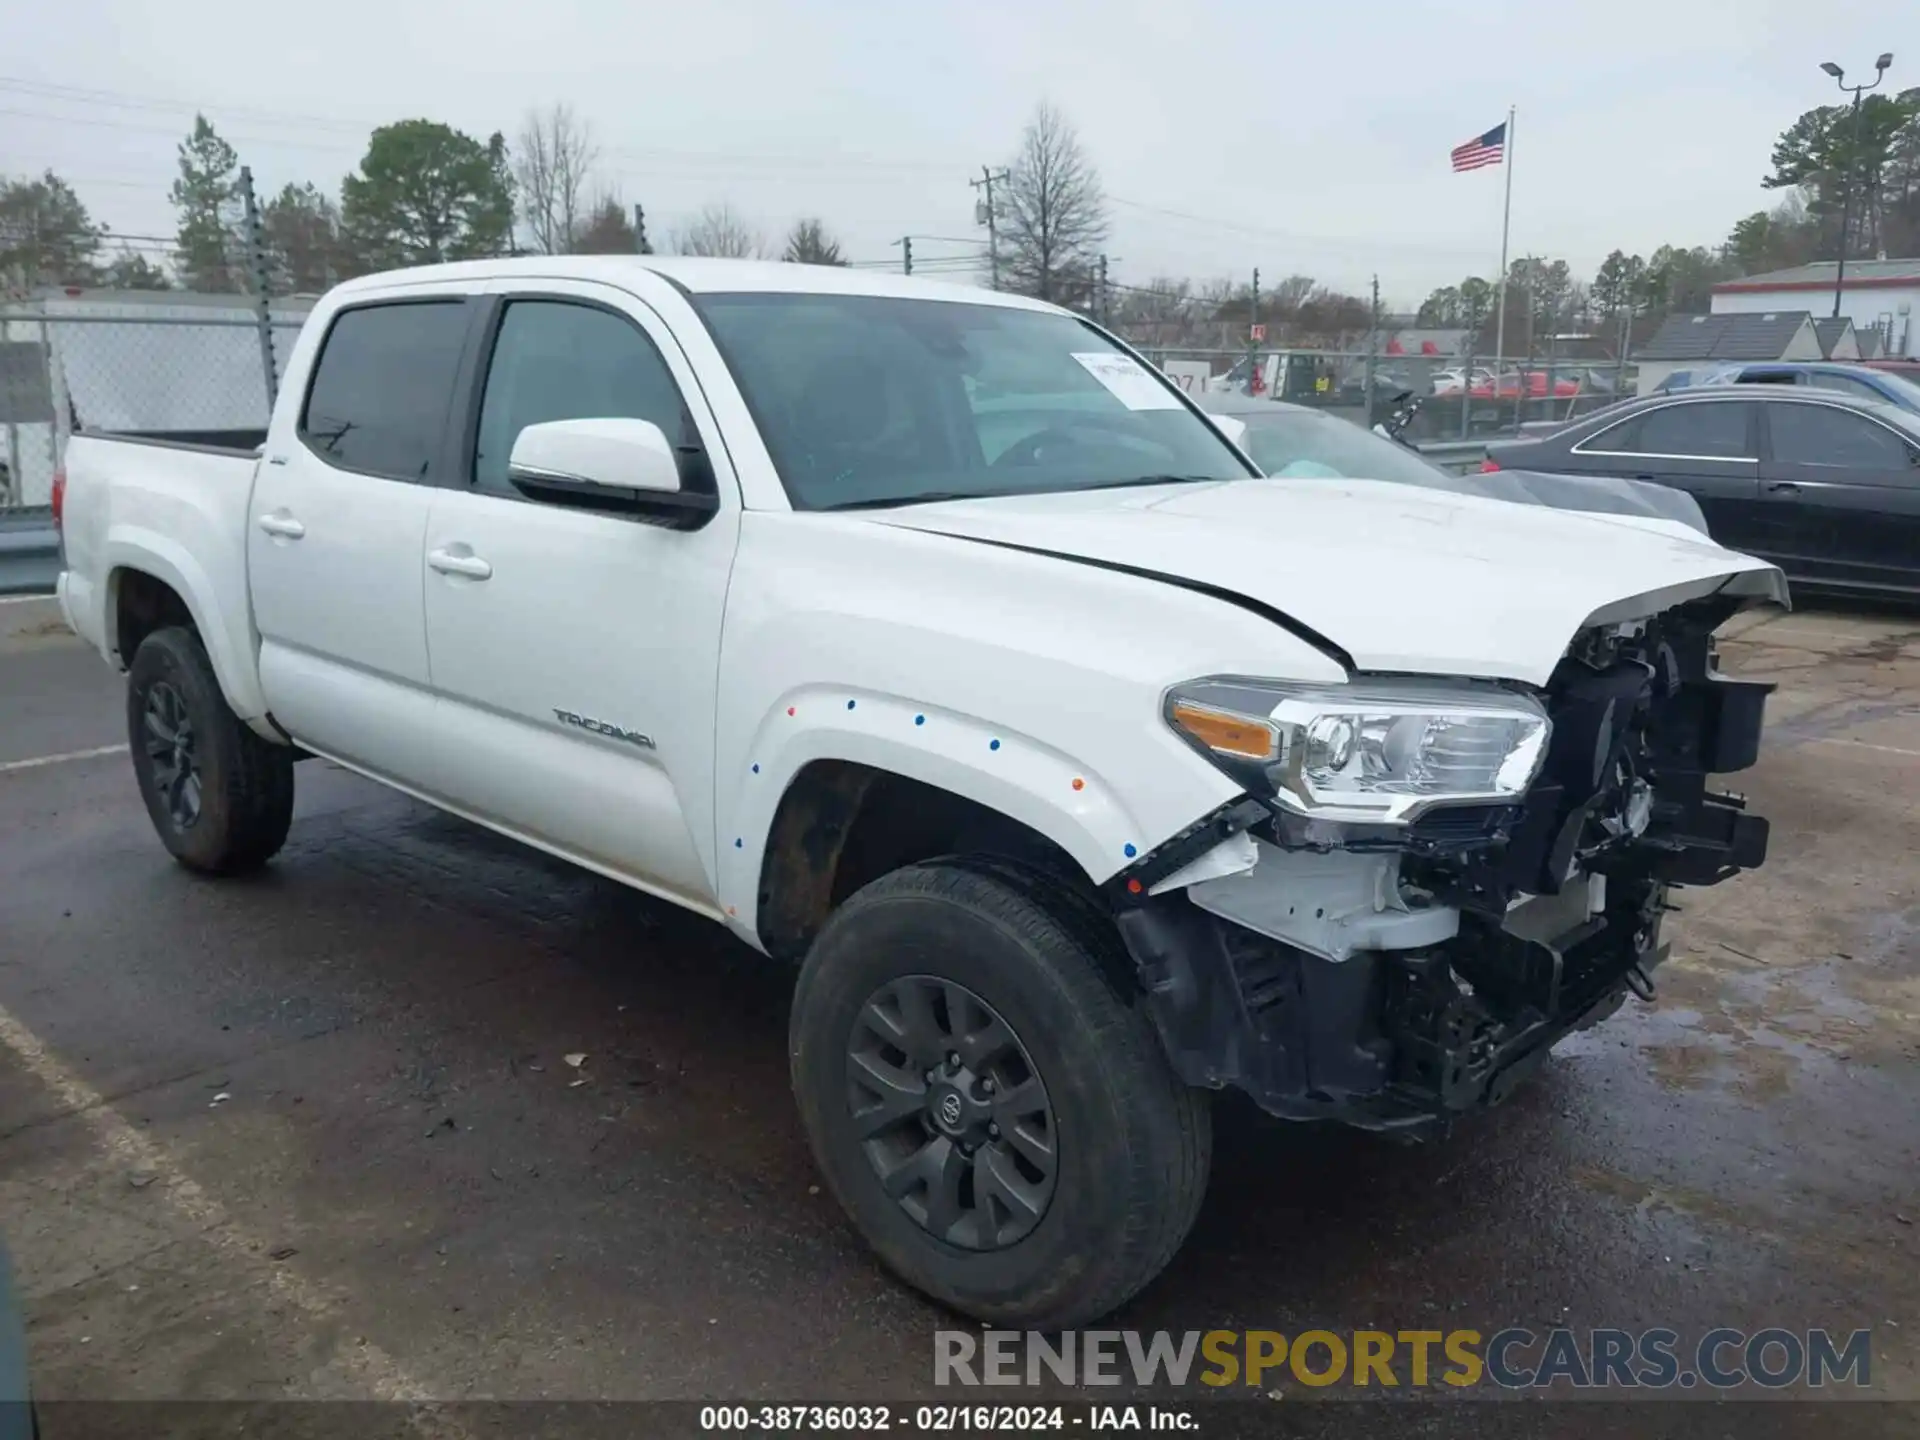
[(117, 99), (1422, 249), (170, 130)]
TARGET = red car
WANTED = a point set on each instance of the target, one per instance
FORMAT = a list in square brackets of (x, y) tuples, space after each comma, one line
[(1565, 387)]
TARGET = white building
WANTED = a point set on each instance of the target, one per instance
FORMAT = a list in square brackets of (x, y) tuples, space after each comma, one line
[(1876, 294)]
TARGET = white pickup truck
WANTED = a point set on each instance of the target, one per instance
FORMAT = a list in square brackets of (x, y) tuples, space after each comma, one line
[(926, 639)]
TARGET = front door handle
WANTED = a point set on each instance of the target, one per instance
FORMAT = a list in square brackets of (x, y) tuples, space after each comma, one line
[(282, 526), (455, 562)]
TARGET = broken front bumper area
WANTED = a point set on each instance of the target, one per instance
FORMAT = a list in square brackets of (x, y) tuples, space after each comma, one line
[(1395, 979), (1390, 1040)]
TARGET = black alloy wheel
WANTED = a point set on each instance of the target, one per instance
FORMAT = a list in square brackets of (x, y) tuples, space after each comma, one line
[(173, 749), (951, 1113)]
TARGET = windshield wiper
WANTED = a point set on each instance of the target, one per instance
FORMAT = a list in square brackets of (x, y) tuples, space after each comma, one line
[(1138, 480), (887, 502), (934, 497)]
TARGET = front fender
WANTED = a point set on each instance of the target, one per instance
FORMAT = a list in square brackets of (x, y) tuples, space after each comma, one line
[(1016, 775), (219, 611)]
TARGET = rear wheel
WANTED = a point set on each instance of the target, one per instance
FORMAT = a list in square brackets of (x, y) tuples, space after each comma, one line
[(993, 1115), (220, 797)]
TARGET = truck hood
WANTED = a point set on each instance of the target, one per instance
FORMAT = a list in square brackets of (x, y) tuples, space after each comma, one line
[(1401, 579)]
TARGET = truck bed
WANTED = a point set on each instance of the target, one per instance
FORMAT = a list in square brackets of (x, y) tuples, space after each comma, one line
[(229, 442)]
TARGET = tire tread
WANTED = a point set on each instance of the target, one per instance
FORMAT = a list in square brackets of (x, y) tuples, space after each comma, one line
[(257, 774)]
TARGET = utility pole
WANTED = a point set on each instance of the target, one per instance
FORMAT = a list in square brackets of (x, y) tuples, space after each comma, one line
[(1103, 305), (1373, 346), (906, 255), (640, 230), (984, 212), (1253, 322)]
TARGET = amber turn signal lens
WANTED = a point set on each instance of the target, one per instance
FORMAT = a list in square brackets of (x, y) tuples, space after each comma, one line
[(1227, 734)]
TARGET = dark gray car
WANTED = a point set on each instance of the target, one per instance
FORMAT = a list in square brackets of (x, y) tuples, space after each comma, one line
[(1293, 442), (1824, 485)]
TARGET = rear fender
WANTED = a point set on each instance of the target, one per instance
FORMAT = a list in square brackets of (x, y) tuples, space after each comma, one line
[(228, 644)]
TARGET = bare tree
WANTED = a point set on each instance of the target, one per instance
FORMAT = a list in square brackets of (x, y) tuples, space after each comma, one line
[(552, 162), (1160, 312), (808, 243), (720, 230), (1053, 218)]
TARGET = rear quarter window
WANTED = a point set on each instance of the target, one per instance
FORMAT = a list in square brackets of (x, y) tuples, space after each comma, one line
[(378, 400)]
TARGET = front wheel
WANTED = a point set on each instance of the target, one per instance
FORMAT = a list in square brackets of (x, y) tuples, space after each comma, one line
[(220, 797), (996, 1119)]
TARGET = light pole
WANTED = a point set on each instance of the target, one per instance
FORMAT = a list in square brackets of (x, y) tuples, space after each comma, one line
[(1846, 184)]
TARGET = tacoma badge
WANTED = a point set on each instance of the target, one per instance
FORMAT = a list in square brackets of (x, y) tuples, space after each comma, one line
[(600, 727)]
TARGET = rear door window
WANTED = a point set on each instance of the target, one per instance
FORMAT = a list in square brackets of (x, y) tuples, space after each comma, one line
[(381, 389), (1707, 430)]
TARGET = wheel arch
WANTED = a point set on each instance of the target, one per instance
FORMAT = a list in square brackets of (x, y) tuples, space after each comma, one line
[(152, 581), (840, 824)]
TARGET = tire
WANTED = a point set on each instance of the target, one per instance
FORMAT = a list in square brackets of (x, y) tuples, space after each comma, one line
[(1131, 1143), (244, 783)]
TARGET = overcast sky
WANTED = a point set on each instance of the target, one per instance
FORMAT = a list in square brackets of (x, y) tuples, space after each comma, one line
[(1298, 136)]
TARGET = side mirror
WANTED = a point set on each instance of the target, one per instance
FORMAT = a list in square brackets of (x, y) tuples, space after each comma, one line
[(615, 464)]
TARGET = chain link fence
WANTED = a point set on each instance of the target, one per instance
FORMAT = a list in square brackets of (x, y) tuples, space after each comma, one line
[(1460, 397), (173, 362)]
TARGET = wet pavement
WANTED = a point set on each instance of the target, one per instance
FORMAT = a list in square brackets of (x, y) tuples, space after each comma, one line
[(315, 1134)]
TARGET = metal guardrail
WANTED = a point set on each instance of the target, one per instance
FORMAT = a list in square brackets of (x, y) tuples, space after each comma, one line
[(29, 552)]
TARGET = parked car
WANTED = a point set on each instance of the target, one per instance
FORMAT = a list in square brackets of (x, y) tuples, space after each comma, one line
[(1823, 484), (1453, 381), (1536, 384), (1295, 442), (1079, 769), (1861, 381)]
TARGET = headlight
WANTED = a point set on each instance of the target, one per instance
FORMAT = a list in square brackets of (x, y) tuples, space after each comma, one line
[(1378, 752)]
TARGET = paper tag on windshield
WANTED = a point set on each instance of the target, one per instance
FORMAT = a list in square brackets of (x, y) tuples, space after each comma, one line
[(1132, 386)]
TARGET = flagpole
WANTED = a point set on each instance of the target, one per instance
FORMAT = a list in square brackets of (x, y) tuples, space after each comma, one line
[(1500, 324)]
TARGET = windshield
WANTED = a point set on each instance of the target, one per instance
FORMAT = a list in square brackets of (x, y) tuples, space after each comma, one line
[(1292, 444), (1900, 390), (871, 400)]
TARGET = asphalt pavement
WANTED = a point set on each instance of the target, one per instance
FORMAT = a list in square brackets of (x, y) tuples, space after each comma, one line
[(318, 1134)]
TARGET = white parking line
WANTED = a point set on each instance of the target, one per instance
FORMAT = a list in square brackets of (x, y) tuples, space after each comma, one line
[(27, 600), (1864, 745), (364, 1365), (41, 760)]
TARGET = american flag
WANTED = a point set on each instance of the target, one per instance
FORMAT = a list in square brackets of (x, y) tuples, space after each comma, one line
[(1482, 150)]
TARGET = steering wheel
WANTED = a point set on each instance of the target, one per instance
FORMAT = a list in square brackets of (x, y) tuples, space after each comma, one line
[(1030, 450)]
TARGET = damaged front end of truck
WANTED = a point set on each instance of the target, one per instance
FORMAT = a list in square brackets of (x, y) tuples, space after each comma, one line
[(1427, 886)]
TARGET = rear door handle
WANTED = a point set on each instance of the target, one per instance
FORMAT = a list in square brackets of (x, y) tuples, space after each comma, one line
[(450, 562), (1783, 487), (283, 526)]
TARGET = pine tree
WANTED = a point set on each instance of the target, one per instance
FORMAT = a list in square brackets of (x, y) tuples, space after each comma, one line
[(208, 249)]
